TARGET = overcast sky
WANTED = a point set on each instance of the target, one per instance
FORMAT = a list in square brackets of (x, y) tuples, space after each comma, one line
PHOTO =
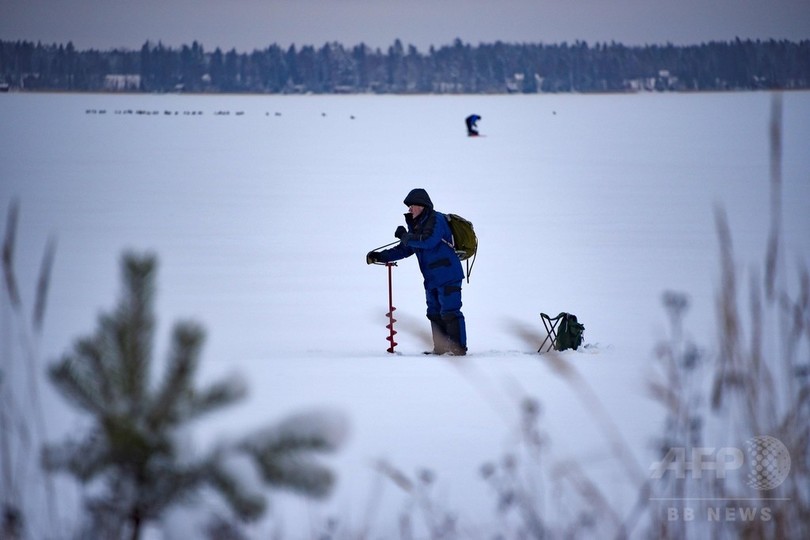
[(254, 24)]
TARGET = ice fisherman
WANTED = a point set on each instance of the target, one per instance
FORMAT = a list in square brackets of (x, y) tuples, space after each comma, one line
[(428, 236), (472, 128)]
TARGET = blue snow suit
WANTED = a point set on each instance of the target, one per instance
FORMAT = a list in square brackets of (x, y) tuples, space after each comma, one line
[(429, 238)]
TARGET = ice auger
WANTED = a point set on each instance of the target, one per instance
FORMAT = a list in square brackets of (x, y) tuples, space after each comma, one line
[(391, 308)]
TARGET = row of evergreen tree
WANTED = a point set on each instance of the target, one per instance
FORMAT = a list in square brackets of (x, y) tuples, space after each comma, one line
[(457, 68)]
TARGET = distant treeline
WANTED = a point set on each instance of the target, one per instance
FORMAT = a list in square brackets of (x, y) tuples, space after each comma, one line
[(457, 68)]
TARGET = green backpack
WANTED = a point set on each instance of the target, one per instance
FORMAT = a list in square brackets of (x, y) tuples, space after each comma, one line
[(465, 242), (569, 333)]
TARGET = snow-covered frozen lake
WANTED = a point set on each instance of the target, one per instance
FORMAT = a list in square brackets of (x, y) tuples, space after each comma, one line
[(261, 219)]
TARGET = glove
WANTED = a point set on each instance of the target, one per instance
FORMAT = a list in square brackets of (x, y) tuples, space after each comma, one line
[(372, 257), (400, 232)]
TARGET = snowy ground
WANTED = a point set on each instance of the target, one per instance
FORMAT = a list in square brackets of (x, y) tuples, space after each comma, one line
[(590, 204)]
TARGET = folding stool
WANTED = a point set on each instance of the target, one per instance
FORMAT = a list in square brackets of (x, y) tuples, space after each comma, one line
[(551, 329)]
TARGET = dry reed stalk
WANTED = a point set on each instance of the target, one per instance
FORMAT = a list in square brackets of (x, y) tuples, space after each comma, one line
[(15, 421)]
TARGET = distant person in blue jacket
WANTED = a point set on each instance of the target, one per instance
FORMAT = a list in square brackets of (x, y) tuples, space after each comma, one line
[(428, 236), (471, 123)]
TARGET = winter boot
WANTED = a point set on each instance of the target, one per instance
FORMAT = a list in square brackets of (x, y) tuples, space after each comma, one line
[(456, 332), (441, 342)]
